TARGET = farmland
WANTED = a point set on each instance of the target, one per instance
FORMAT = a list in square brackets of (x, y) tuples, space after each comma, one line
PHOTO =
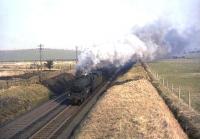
[(18, 68), (181, 72), (21, 89)]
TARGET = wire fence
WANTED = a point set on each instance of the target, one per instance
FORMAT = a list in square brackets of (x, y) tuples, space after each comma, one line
[(181, 92)]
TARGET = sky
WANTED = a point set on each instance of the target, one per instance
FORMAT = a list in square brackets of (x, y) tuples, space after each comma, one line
[(64, 24)]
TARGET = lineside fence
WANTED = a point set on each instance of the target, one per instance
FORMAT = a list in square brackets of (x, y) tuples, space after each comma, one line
[(44, 75), (183, 94)]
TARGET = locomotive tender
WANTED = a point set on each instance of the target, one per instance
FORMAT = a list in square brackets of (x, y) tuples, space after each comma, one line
[(84, 85)]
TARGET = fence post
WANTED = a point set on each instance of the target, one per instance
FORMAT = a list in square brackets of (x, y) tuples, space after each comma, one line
[(179, 93), (189, 100), (172, 87)]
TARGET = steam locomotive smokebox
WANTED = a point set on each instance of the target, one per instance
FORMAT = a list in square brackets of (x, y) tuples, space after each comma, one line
[(59, 83)]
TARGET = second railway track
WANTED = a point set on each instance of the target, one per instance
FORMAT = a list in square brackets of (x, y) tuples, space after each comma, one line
[(20, 126), (50, 129)]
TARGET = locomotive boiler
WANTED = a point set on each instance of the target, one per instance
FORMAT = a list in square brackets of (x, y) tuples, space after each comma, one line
[(83, 86)]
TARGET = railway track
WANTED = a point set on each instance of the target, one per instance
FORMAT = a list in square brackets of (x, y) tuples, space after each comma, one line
[(55, 126), (16, 128), (65, 122)]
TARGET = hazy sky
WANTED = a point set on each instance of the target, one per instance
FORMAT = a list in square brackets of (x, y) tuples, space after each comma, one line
[(66, 23)]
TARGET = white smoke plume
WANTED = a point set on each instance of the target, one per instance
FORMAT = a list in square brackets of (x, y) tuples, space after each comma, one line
[(117, 53)]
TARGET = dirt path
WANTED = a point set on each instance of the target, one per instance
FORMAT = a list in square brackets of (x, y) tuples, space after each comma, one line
[(131, 109)]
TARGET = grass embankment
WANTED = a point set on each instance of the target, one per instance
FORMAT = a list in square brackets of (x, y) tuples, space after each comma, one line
[(181, 72), (131, 108), (19, 99)]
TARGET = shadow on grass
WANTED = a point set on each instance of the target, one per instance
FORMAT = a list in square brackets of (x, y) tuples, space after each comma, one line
[(59, 84), (128, 80)]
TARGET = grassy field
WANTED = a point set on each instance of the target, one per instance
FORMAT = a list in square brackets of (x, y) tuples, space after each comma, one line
[(18, 68), (181, 72)]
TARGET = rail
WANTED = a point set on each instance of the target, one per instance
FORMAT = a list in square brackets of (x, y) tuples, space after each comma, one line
[(23, 122)]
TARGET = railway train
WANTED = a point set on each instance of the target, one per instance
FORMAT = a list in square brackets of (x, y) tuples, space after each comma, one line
[(83, 86)]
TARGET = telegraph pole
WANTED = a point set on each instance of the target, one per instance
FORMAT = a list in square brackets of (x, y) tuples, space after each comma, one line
[(40, 49), (76, 54), (40, 74)]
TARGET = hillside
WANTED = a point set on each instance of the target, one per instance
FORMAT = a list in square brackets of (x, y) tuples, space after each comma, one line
[(33, 54)]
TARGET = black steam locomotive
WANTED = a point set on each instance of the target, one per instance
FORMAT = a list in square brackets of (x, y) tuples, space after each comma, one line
[(84, 85)]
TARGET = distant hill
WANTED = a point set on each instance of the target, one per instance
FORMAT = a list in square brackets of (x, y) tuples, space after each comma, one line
[(33, 54)]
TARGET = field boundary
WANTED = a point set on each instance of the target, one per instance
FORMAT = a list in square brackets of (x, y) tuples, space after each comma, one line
[(188, 118)]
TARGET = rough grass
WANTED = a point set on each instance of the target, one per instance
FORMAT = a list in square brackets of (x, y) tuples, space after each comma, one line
[(184, 73), (133, 74), (64, 65), (130, 109), (19, 99), (4, 73)]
